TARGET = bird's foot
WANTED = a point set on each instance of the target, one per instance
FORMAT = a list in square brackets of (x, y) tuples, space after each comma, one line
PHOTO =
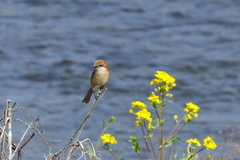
[(99, 92)]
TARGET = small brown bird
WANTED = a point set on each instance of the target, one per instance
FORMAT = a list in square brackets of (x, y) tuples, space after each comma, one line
[(99, 78)]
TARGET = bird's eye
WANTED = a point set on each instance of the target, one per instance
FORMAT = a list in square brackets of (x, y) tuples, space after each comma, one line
[(100, 65)]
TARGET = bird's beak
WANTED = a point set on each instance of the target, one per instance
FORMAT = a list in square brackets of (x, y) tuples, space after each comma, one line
[(95, 67)]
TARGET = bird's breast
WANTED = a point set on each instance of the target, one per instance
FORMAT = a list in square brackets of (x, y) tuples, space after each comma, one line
[(100, 78)]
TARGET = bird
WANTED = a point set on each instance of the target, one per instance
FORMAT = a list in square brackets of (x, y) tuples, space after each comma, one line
[(99, 78)]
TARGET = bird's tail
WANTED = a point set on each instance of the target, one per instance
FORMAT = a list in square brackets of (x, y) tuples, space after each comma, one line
[(88, 96)]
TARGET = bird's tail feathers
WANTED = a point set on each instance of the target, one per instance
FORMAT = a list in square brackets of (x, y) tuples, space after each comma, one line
[(86, 99)]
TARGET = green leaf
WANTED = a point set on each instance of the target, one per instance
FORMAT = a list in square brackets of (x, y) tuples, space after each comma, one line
[(135, 144), (186, 120), (154, 105), (168, 100), (162, 121), (137, 148), (150, 134), (122, 158), (156, 121)]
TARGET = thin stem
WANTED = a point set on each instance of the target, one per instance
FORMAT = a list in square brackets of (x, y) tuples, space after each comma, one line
[(180, 129), (24, 135), (145, 140), (24, 144), (160, 156), (180, 121), (78, 132), (9, 123), (174, 130), (161, 134), (195, 153), (82, 125), (104, 130), (154, 153), (115, 157), (140, 156)]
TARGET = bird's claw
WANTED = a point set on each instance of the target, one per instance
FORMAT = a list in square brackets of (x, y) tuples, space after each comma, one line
[(99, 92)]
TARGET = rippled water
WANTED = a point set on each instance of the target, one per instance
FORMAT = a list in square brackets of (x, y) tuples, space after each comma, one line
[(47, 50)]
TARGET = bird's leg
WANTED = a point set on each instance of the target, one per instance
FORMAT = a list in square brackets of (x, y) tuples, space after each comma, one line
[(102, 89), (96, 94), (99, 92)]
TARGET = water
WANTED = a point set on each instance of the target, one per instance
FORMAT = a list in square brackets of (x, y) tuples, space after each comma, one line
[(47, 50)]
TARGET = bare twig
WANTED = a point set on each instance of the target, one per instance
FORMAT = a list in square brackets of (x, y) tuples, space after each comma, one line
[(82, 125), (2, 138), (75, 137), (24, 144), (8, 149), (24, 134), (9, 123)]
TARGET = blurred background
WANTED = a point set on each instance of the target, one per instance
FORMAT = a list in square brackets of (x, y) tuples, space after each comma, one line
[(47, 49)]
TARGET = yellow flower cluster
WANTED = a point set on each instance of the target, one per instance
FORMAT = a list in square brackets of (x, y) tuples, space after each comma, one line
[(144, 114), (138, 105), (154, 99), (194, 141), (141, 113), (209, 143), (165, 81), (191, 110), (108, 138)]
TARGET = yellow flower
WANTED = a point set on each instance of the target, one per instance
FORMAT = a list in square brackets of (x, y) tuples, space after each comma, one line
[(153, 98), (138, 109), (175, 117), (191, 110), (108, 138), (209, 143), (150, 126), (130, 111), (164, 80), (138, 122), (191, 114), (138, 104), (191, 107), (169, 95), (194, 141), (144, 114), (162, 77), (209, 155)]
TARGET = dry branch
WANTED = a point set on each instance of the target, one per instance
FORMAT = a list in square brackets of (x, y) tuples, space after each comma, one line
[(8, 149), (74, 148), (71, 146)]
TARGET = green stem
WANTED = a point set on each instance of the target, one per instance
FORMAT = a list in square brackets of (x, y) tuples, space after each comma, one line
[(145, 140), (195, 153), (174, 130), (161, 134), (140, 156), (104, 130), (115, 157), (160, 154), (155, 156)]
